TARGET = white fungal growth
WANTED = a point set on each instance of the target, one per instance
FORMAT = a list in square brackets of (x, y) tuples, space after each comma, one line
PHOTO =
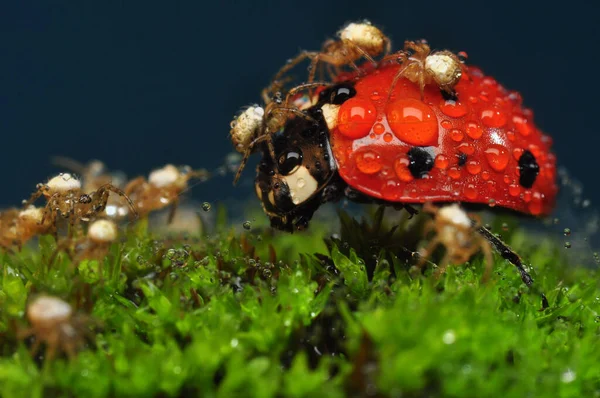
[(244, 127), (48, 310), (444, 68), (365, 36), (166, 177), (63, 183), (330, 114), (103, 231), (302, 185), (32, 214)]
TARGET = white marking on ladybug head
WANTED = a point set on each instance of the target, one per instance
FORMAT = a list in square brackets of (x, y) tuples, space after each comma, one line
[(32, 213), (103, 231), (48, 310), (330, 114), (167, 176), (244, 127), (63, 182), (444, 67), (364, 35), (302, 185)]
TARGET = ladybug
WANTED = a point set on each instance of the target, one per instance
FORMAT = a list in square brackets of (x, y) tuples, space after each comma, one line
[(398, 135)]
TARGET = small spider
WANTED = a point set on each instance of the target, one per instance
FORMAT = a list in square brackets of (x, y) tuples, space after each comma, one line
[(255, 124), (355, 41), (95, 246), (422, 66), (66, 199), (54, 324), (17, 227), (163, 188), (455, 230), (94, 173)]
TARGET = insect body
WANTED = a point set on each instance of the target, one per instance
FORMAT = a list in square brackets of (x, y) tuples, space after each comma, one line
[(394, 138)]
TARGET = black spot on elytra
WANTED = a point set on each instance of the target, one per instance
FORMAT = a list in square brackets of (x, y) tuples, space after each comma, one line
[(462, 159), (528, 168), (421, 162)]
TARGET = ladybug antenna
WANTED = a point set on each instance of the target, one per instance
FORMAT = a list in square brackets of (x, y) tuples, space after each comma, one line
[(509, 254)]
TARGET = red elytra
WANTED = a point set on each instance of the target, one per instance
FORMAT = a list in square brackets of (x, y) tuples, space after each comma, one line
[(475, 142)]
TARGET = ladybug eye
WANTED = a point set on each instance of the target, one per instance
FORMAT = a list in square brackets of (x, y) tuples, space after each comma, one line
[(339, 94), (290, 161)]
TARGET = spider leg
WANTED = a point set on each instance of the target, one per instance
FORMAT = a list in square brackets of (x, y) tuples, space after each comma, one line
[(442, 265), (34, 197), (509, 254), (173, 210), (428, 251), (121, 193)]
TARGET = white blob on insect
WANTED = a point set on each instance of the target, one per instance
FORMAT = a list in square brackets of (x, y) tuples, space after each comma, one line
[(365, 36), (456, 222), (63, 183), (32, 213), (453, 214), (243, 128), (443, 67), (330, 114), (302, 185), (165, 177), (103, 231), (47, 309)]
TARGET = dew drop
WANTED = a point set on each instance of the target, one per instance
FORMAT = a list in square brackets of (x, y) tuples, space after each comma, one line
[(206, 206), (454, 173), (492, 202), (567, 245), (378, 128), (300, 183), (456, 135), (368, 162), (247, 225), (493, 117), (473, 167), (470, 192), (497, 157), (453, 108), (388, 137), (567, 231), (522, 125), (441, 162), (474, 130), (401, 168)]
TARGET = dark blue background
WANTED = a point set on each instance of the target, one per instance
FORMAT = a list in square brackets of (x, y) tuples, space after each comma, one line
[(140, 84)]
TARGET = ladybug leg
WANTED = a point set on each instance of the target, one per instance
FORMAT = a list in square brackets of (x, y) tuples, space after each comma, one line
[(509, 254)]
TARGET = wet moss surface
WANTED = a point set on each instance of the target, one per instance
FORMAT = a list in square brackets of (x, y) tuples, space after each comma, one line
[(257, 313)]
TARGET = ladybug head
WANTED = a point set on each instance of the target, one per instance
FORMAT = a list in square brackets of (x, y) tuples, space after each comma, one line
[(290, 184)]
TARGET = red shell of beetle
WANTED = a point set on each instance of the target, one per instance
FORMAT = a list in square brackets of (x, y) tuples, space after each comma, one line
[(487, 123)]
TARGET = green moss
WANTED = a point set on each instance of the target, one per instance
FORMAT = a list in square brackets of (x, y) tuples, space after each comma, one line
[(258, 313)]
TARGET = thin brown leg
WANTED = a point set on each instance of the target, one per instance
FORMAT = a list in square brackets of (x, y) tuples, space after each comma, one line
[(442, 266), (489, 261), (121, 193), (173, 210), (428, 251)]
